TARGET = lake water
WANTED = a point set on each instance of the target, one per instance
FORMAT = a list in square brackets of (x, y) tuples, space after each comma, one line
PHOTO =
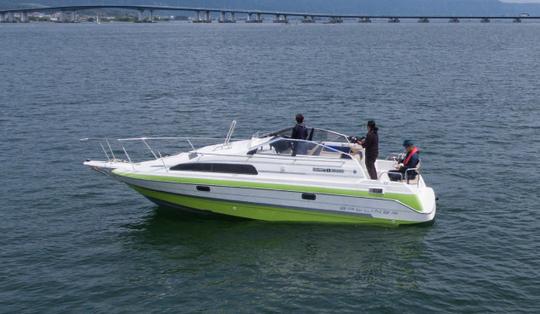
[(72, 240)]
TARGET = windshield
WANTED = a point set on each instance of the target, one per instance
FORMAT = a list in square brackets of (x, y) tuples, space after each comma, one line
[(314, 134), (291, 147)]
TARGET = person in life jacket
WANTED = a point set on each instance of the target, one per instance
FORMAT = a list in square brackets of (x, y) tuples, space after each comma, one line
[(299, 132), (410, 161)]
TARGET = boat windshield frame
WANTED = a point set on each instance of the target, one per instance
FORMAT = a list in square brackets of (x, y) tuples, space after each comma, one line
[(253, 149), (252, 152), (311, 131)]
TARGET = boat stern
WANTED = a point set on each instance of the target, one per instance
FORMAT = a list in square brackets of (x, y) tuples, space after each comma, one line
[(428, 199)]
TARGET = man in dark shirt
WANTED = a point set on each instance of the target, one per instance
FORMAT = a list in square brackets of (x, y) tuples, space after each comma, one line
[(371, 144), (299, 132), (410, 161)]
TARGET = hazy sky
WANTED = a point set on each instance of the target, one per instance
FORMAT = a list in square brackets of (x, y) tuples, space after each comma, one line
[(521, 1)]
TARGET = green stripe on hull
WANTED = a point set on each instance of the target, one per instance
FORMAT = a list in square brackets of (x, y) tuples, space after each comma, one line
[(261, 212), (409, 200)]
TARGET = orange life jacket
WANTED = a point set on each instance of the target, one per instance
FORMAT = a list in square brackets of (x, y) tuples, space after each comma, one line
[(408, 158)]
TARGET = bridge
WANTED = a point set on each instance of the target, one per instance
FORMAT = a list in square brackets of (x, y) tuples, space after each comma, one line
[(145, 13)]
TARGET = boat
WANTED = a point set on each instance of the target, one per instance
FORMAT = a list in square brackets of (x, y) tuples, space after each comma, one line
[(271, 177)]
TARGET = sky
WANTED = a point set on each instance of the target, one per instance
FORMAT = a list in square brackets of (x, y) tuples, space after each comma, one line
[(521, 1)]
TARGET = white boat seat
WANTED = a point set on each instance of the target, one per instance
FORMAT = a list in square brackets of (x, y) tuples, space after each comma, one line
[(417, 170), (404, 177)]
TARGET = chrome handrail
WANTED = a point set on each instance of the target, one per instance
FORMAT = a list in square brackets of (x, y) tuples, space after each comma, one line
[(188, 139), (144, 140), (297, 157), (171, 138), (268, 134)]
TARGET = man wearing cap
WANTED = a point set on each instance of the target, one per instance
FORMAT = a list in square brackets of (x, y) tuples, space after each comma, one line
[(410, 161)]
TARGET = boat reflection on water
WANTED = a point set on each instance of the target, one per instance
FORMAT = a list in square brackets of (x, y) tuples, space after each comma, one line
[(207, 250)]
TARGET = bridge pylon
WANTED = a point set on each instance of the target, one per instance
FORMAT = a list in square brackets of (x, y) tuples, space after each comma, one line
[(258, 18), (364, 19), (335, 20), (281, 18), (24, 17), (308, 19), (72, 17), (206, 18), (9, 18), (226, 17)]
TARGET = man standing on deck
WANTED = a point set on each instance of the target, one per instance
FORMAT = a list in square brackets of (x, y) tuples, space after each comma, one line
[(371, 144), (299, 132)]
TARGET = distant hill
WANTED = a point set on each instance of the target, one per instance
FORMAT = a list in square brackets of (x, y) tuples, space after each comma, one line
[(401, 7)]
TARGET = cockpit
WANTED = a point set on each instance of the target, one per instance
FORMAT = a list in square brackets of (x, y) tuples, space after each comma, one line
[(314, 135), (320, 142)]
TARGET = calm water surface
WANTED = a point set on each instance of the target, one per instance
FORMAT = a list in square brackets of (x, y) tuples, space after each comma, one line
[(72, 240)]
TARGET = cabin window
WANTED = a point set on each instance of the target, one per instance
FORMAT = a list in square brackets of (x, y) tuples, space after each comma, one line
[(216, 167)]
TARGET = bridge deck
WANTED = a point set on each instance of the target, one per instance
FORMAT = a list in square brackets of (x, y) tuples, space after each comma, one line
[(262, 12)]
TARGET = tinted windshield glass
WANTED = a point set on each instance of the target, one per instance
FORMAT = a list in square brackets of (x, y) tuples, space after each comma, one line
[(286, 133), (314, 134), (319, 135), (283, 146)]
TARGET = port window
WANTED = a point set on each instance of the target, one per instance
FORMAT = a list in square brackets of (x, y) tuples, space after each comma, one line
[(216, 167)]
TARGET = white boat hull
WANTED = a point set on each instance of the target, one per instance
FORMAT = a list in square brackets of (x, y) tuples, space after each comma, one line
[(279, 203)]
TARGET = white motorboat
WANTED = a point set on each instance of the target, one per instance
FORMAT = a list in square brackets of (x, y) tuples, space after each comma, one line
[(274, 178)]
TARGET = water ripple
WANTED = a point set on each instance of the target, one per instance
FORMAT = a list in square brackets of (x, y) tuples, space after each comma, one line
[(75, 241)]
